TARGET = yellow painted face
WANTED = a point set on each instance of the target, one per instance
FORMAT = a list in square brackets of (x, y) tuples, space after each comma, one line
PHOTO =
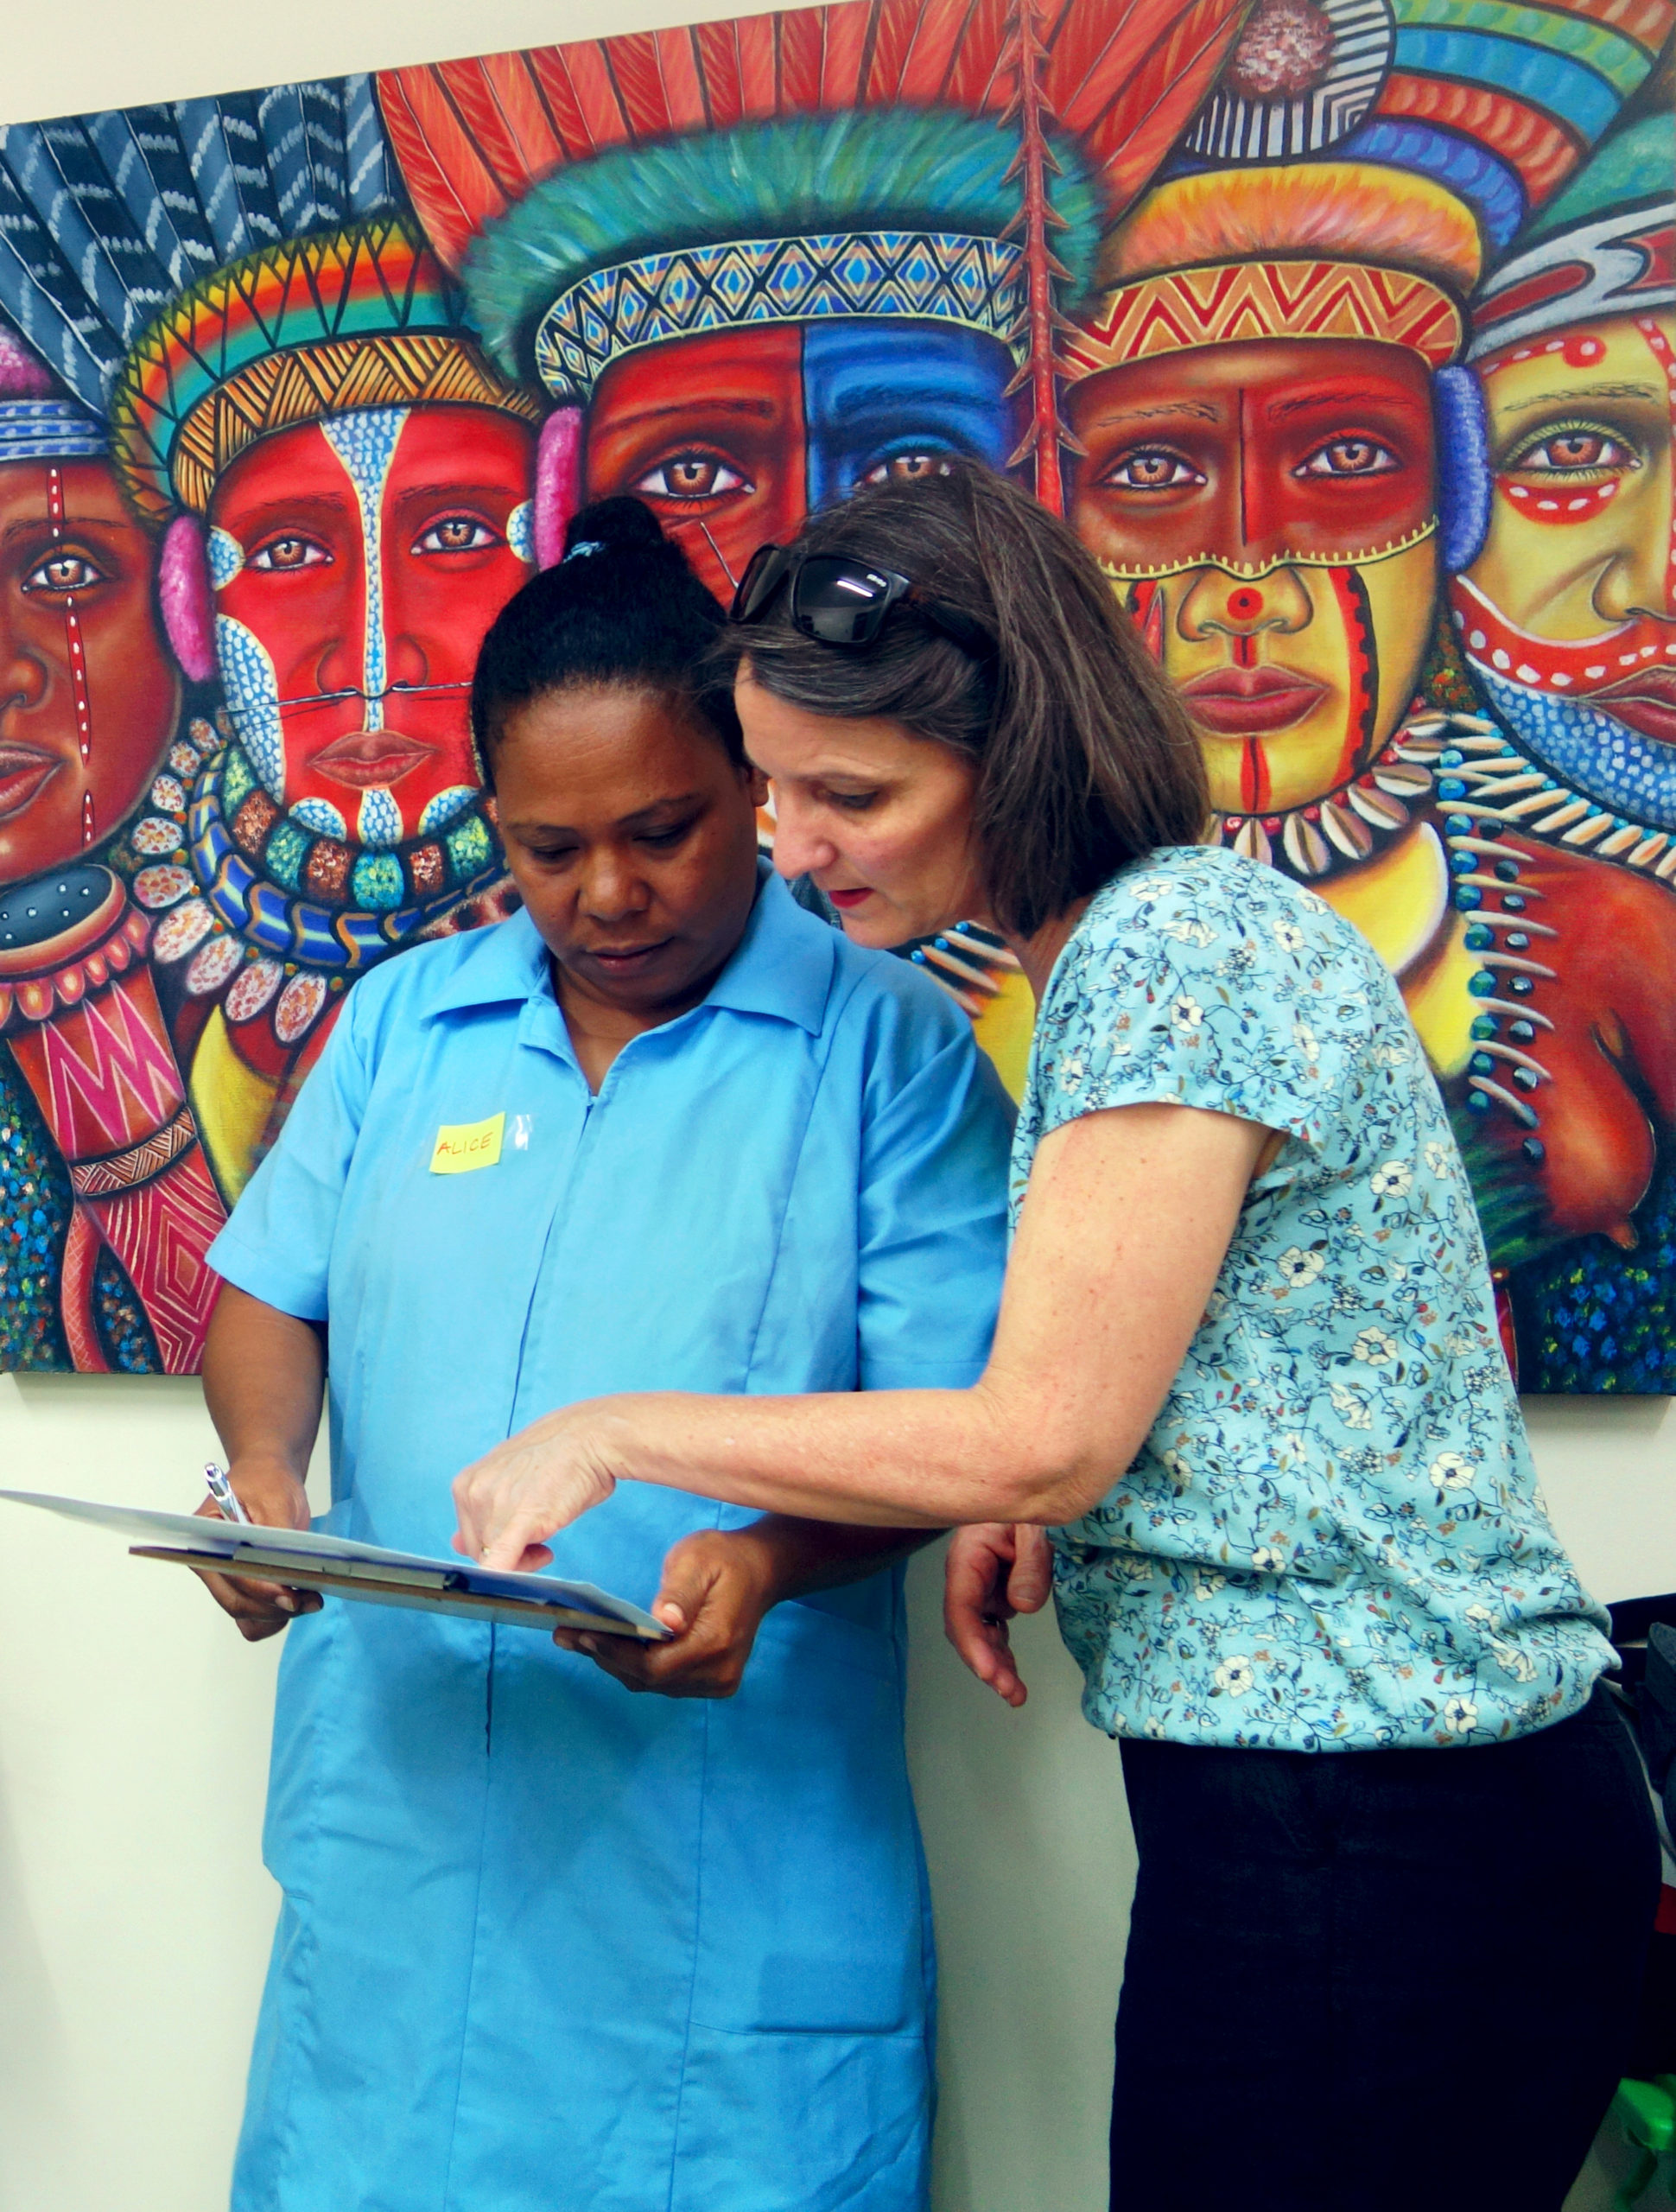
[(1295, 681), (1580, 446), (1267, 511)]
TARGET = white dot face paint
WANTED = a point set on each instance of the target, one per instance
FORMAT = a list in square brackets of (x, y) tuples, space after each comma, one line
[(365, 444), (251, 688), (447, 806), (225, 557), (321, 817), (378, 822)]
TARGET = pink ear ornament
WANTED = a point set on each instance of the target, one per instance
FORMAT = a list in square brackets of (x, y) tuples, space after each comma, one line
[(22, 376), (183, 594), (558, 482)]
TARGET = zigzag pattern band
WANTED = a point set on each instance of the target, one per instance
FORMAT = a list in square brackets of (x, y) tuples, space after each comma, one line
[(1229, 301)]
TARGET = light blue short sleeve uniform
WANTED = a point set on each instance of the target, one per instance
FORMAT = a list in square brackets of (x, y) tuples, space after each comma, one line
[(546, 1945), (1331, 1539)]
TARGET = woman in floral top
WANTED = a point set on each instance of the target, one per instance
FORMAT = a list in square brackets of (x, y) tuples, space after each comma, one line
[(1397, 1866)]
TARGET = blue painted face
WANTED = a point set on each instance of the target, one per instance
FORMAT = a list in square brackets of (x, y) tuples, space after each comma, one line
[(879, 394)]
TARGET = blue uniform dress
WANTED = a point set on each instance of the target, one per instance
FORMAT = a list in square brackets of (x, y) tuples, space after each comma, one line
[(545, 1943)]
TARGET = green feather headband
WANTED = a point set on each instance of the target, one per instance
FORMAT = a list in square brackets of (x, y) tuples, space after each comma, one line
[(896, 211)]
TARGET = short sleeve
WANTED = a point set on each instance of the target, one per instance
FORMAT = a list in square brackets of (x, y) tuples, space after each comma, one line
[(278, 1247), (932, 1211), (1211, 982)]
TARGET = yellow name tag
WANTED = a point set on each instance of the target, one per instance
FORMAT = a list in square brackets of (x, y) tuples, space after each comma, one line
[(465, 1145)]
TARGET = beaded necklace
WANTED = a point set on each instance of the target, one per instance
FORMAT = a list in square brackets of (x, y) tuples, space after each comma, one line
[(258, 912)]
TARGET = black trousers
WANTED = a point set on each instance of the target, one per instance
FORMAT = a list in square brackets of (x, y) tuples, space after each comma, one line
[(1379, 1982)]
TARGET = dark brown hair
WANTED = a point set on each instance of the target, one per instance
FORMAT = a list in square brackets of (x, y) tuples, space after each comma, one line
[(1086, 758)]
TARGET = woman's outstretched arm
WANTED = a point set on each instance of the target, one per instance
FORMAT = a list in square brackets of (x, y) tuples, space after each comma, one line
[(1129, 1215)]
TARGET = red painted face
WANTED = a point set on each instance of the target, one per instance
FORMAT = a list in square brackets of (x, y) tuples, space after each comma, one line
[(710, 433), (1254, 454), (88, 696), (358, 564)]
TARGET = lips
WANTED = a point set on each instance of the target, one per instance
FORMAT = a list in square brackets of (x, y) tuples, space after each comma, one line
[(845, 900), (23, 771), (371, 758), (1251, 702), (1646, 700), (621, 959)]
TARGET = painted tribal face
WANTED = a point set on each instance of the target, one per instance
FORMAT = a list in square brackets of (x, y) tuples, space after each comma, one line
[(733, 437), (1568, 614), (88, 696), (1269, 510), (357, 563)]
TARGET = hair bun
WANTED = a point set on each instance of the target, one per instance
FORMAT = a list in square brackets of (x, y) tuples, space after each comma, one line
[(613, 525)]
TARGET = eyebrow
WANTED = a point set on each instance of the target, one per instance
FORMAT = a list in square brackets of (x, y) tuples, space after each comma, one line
[(624, 821), (1199, 409), (857, 399), (300, 509), (1313, 402), (1587, 391), (452, 491), (763, 411), (31, 526)]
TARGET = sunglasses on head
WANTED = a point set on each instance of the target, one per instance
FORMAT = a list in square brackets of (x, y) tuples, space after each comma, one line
[(846, 602)]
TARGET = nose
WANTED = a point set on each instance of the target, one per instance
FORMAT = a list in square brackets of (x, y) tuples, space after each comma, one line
[(1640, 580), (801, 848), (1217, 603), (24, 677), (612, 887)]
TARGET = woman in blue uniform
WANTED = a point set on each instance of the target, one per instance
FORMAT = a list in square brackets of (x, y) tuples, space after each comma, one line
[(543, 1944)]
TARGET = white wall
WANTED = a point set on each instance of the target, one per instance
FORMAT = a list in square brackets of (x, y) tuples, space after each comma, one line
[(134, 1912)]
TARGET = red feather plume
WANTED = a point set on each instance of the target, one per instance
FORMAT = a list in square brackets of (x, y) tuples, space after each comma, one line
[(1122, 76)]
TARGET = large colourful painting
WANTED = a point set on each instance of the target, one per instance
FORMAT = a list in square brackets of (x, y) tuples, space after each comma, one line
[(1340, 330)]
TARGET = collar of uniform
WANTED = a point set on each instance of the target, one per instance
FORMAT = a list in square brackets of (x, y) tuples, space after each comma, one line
[(782, 967), (784, 964)]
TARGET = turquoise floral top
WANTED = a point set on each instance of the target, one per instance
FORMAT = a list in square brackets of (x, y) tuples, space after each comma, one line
[(1332, 1538)]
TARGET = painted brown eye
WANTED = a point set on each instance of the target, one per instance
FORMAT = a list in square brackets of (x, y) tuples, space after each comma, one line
[(458, 533), (1151, 468), (283, 555), (64, 572), (692, 475), (907, 468), (1350, 457), (1568, 451)]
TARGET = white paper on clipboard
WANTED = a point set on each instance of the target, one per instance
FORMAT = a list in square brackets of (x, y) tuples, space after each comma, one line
[(312, 1548)]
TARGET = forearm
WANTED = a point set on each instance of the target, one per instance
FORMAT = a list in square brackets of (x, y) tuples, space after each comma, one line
[(264, 1375), (903, 1459), (801, 1556)]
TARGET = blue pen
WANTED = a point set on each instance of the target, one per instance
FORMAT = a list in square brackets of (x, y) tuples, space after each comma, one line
[(226, 1498)]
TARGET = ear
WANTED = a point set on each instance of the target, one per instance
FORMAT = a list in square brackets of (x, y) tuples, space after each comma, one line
[(558, 482), (183, 596), (1463, 480), (758, 786)]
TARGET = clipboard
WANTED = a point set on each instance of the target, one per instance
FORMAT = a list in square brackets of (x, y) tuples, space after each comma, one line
[(309, 1559), (419, 1592)]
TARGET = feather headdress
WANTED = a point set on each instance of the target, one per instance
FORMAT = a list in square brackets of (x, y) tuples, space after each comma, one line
[(1385, 239), (942, 159), (213, 270), (37, 422), (1604, 248)]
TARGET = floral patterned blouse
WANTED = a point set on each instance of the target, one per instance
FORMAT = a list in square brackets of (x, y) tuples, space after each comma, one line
[(1332, 1537)]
